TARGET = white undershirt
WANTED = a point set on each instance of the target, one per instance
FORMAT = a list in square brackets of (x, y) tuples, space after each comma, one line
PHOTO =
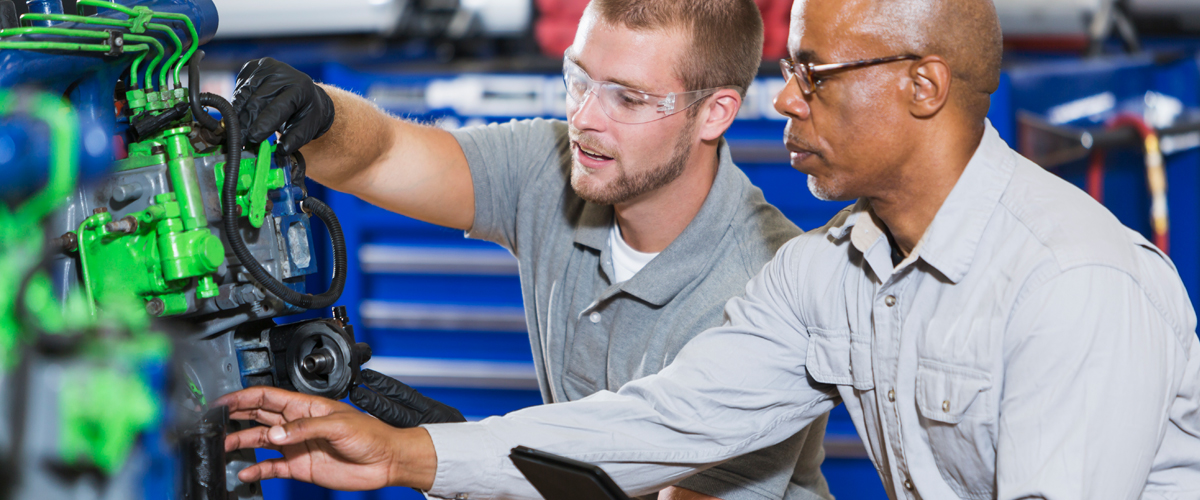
[(626, 261)]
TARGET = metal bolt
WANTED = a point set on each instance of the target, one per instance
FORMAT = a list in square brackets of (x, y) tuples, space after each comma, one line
[(157, 149), (99, 210), (127, 224), (238, 211), (155, 307), (69, 241), (270, 206), (119, 42), (317, 363)]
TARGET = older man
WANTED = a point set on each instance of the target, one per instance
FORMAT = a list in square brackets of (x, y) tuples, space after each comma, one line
[(993, 331), (630, 220)]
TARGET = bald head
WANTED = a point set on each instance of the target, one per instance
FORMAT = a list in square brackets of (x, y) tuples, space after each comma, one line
[(966, 33)]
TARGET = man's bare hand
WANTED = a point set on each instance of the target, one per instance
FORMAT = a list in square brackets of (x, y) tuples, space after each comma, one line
[(327, 443)]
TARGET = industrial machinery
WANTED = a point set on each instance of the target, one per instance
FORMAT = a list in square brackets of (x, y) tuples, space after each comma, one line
[(144, 259)]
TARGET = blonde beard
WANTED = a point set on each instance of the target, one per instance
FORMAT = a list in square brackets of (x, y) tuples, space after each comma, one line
[(627, 187)]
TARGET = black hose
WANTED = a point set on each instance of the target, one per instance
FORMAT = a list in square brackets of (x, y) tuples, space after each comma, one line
[(233, 159), (206, 120)]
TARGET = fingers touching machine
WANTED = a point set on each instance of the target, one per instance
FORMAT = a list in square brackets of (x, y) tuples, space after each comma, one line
[(146, 258)]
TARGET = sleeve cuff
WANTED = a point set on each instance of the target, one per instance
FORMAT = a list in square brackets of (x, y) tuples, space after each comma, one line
[(467, 459)]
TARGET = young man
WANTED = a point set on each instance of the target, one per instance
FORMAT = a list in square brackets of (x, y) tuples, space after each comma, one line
[(631, 223), (993, 331)]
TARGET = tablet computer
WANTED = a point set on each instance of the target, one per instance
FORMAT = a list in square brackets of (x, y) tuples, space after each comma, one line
[(561, 478)]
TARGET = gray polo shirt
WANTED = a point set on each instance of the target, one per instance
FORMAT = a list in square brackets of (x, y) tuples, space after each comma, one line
[(589, 334)]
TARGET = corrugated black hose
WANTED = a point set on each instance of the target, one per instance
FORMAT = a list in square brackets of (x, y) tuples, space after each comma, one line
[(206, 120), (233, 159)]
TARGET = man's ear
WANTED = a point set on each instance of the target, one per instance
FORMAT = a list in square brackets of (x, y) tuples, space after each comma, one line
[(722, 107), (931, 79)]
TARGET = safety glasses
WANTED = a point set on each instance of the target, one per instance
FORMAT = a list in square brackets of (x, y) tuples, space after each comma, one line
[(807, 74), (624, 104)]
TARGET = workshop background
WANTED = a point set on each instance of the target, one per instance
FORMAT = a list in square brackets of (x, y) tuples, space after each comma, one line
[(444, 313), (1105, 93)]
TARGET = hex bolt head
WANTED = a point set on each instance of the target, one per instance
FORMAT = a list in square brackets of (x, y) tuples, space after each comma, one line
[(99, 210), (155, 307), (119, 42), (69, 241)]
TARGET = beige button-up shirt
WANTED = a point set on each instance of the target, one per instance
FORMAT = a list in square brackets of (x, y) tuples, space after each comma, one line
[(1030, 347)]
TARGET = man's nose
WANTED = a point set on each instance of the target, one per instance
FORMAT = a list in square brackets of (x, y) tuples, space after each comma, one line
[(588, 115), (791, 102)]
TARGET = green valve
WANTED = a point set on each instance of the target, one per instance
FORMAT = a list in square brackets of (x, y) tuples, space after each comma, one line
[(255, 178), (154, 101), (137, 100)]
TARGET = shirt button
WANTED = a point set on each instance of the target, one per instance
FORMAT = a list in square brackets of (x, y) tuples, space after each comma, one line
[(908, 485), (891, 395), (594, 316), (890, 300), (946, 405)]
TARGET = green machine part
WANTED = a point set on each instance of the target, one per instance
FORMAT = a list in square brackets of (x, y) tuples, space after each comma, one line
[(106, 402), (154, 254)]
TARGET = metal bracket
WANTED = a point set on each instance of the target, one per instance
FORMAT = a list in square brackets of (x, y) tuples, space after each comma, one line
[(116, 43)]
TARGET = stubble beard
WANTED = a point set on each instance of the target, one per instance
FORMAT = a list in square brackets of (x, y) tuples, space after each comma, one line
[(823, 193), (627, 186)]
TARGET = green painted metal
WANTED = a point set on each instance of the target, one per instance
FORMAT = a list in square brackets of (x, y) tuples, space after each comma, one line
[(104, 21), (143, 11), (139, 161), (96, 430), (255, 179), (107, 404)]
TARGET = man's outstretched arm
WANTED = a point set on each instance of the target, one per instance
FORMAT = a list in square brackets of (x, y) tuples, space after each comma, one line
[(731, 390), (352, 146)]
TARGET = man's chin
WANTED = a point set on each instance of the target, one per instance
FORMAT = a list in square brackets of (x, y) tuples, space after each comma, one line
[(589, 188), (826, 191)]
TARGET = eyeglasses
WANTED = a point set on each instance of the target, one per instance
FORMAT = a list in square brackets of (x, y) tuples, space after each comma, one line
[(807, 74), (627, 105)]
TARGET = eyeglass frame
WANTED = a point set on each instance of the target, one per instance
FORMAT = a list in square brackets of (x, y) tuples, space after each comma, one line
[(665, 105), (812, 72)]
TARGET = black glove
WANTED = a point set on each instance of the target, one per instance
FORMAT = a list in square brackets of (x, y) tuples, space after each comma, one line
[(271, 96), (399, 405)]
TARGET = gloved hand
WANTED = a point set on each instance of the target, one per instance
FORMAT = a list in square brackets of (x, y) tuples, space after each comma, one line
[(272, 96), (397, 404)]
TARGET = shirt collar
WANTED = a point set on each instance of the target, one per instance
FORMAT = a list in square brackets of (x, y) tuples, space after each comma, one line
[(688, 256), (949, 243)]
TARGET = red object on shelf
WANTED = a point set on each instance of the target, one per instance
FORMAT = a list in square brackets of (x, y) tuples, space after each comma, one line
[(558, 20), (776, 16), (556, 24)]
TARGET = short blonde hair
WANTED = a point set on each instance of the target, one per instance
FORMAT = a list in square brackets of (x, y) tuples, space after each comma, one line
[(727, 36)]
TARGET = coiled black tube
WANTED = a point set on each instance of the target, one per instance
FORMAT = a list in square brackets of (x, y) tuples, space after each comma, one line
[(206, 120), (233, 159)]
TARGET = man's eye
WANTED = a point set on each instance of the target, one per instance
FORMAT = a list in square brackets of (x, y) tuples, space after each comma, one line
[(630, 100)]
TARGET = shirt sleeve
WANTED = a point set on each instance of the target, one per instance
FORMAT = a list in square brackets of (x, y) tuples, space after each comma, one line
[(1090, 374), (768, 474), (731, 390), (509, 161)]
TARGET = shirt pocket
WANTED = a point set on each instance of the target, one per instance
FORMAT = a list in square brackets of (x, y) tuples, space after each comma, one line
[(839, 357), (945, 392), (953, 403)]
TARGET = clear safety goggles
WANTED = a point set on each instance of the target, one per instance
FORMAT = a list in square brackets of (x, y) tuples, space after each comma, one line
[(627, 105)]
